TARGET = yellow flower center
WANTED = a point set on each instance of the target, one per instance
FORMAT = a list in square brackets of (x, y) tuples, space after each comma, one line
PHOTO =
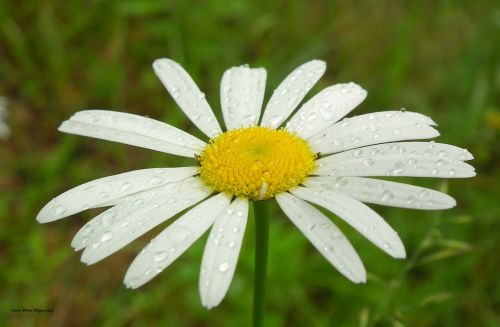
[(255, 162)]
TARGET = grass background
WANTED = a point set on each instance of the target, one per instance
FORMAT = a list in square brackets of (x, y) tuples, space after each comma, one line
[(438, 58)]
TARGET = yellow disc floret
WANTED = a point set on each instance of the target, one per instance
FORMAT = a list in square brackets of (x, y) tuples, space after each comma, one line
[(255, 162)]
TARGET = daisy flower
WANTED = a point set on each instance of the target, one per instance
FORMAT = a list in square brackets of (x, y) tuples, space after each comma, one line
[(316, 158), (4, 129)]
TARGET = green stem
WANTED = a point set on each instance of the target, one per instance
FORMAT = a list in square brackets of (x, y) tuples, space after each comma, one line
[(261, 241)]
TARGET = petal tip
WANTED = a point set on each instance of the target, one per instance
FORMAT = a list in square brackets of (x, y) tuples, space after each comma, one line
[(158, 63)]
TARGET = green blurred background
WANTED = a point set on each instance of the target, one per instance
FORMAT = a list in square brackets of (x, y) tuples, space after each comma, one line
[(438, 58)]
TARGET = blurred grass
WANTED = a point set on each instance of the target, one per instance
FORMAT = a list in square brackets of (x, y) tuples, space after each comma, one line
[(438, 58)]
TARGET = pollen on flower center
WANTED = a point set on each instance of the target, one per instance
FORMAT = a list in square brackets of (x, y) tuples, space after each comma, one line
[(255, 162)]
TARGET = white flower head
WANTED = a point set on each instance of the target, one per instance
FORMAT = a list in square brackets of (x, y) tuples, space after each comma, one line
[(317, 157), (4, 129)]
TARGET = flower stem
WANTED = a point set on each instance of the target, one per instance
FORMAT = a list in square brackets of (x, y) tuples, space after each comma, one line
[(261, 241)]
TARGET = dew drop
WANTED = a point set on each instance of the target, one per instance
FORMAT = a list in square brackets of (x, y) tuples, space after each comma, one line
[(223, 267), (328, 248), (155, 180), (424, 193), (410, 200), (107, 236), (231, 244), (326, 113), (440, 163), (60, 210), (368, 162), (160, 256), (386, 196), (132, 282), (108, 219), (125, 187)]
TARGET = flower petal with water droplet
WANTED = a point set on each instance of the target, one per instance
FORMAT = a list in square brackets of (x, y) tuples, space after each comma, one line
[(373, 128), (102, 191), (242, 92), (187, 95), (196, 221), (383, 192), (133, 130), (291, 91), (221, 253), (325, 237), (325, 108), (362, 218), (418, 159), (142, 217)]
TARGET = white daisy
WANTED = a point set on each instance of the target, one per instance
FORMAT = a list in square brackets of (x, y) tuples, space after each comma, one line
[(4, 129), (316, 158)]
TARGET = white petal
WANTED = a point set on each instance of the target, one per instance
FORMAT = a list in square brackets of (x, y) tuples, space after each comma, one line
[(242, 92), (101, 191), (174, 240), (326, 108), (291, 91), (124, 206), (98, 224), (418, 159), (383, 192), (221, 253), (374, 128), (324, 235), (142, 215), (134, 130), (187, 95), (362, 218)]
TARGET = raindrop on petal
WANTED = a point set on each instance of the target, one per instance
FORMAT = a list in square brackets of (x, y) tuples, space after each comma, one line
[(160, 256)]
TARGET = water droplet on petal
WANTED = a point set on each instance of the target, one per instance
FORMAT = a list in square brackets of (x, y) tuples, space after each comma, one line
[(328, 248), (60, 210), (179, 234), (107, 236), (160, 256), (223, 267), (368, 162), (387, 196), (125, 187), (440, 163), (132, 282), (155, 180)]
